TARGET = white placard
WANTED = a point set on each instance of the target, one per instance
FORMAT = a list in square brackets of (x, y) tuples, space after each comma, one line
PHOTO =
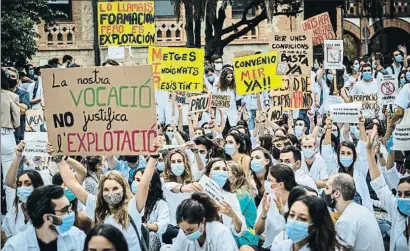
[(346, 113), (335, 100), (116, 52), (333, 50), (36, 143), (401, 138), (211, 188), (387, 89)]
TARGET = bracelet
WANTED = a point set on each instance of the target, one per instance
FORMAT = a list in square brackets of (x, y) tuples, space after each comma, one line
[(58, 158), (180, 188), (264, 218), (65, 158)]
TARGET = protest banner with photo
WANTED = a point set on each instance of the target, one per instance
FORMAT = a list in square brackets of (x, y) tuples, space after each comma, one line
[(333, 51), (35, 121), (295, 51), (401, 138), (177, 69), (369, 104), (101, 110), (345, 113), (35, 144), (321, 26), (221, 101), (126, 23), (256, 73), (212, 189), (387, 89), (199, 103)]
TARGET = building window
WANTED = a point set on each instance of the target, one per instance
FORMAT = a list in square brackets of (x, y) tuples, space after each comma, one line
[(164, 8), (64, 8), (238, 6)]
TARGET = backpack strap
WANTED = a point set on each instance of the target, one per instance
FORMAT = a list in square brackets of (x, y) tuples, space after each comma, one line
[(141, 241), (35, 90)]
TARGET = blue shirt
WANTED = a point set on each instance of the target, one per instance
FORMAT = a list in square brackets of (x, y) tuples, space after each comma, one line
[(127, 172), (24, 98)]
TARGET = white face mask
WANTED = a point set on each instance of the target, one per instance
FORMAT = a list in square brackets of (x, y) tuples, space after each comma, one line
[(218, 66)]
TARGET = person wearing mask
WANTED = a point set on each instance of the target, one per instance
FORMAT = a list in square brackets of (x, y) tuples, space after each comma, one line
[(217, 64), (300, 128), (309, 227), (270, 220), (52, 223), (54, 63), (198, 219), (396, 67), (368, 84), (402, 100), (377, 67), (210, 77), (35, 90), (95, 166), (326, 80), (236, 148), (356, 227), (103, 237), (126, 167), (398, 207), (292, 157), (31, 72), (402, 79), (67, 61), (261, 162), (313, 163)]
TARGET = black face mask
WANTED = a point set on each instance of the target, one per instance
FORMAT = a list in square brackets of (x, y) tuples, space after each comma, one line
[(329, 201), (12, 83), (132, 159), (275, 152)]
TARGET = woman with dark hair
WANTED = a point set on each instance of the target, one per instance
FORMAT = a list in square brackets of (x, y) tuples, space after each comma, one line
[(218, 170), (261, 162), (104, 237), (156, 211), (235, 147), (94, 165), (266, 142), (295, 141), (309, 227), (198, 219)]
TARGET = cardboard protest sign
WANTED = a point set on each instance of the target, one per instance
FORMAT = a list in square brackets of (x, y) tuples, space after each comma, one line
[(126, 23), (35, 144), (401, 138), (294, 94), (346, 113), (211, 188), (221, 101), (369, 104), (177, 69), (333, 50), (275, 113), (35, 121), (321, 26), (180, 98), (199, 103), (256, 73), (387, 89), (295, 51), (101, 110)]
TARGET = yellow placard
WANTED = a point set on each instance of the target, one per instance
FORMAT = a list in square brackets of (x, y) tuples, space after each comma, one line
[(126, 23), (177, 69), (257, 73)]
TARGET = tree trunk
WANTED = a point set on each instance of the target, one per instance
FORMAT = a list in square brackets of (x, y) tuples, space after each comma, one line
[(213, 35), (197, 33), (189, 26)]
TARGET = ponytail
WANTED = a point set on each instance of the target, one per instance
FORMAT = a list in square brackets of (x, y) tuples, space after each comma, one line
[(197, 208)]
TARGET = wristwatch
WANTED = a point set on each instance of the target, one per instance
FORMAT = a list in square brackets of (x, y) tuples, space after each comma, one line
[(59, 158)]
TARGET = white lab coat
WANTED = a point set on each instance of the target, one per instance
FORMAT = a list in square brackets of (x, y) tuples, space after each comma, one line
[(233, 201), (287, 245), (160, 217), (330, 158), (73, 240), (389, 203), (357, 227), (218, 237), (232, 112), (303, 179), (12, 225), (318, 170), (173, 199)]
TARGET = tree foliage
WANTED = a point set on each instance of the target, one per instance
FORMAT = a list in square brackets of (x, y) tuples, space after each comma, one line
[(217, 37), (17, 28)]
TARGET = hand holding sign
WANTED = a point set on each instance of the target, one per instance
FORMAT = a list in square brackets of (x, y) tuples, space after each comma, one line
[(20, 149), (227, 210)]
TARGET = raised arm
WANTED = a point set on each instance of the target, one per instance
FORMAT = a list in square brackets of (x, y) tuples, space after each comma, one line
[(222, 126), (373, 169), (11, 175), (80, 170), (180, 118)]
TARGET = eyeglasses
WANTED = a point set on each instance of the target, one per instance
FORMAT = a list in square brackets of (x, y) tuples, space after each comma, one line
[(367, 70), (65, 210)]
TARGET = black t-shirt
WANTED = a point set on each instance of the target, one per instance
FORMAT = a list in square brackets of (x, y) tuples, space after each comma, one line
[(52, 246)]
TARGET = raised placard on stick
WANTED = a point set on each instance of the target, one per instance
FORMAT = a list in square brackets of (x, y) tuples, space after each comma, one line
[(199, 103), (321, 26), (387, 89), (221, 101), (333, 51), (369, 103), (345, 113), (101, 110)]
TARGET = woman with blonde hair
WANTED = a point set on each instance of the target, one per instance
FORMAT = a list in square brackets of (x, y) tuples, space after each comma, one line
[(114, 203)]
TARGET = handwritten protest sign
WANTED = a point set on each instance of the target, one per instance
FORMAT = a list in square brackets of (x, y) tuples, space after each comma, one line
[(177, 69), (126, 23), (35, 144), (35, 121), (101, 110), (333, 50), (199, 103), (321, 26), (221, 101), (401, 138), (346, 113), (369, 104), (211, 188), (295, 51), (387, 89), (295, 93), (256, 73), (275, 113)]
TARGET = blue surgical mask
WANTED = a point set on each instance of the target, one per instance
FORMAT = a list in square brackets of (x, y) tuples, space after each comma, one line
[(160, 166), (142, 162), (374, 65), (404, 205), (330, 77), (308, 152), (324, 78), (297, 230), (195, 235), (230, 149), (356, 67), (204, 158), (316, 66), (346, 161), (298, 131), (355, 131), (178, 169), (220, 177), (257, 166), (211, 78), (134, 187), (70, 196), (68, 222), (170, 135), (31, 72), (367, 75), (398, 58), (268, 187), (389, 145), (23, 193), (402, 81), (408, 76)]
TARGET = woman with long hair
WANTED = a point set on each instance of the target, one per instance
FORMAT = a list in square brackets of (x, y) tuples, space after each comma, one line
[(105, 237), (94, 165), (309, 227), (236, 148), (198, 219), (261, 162)]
